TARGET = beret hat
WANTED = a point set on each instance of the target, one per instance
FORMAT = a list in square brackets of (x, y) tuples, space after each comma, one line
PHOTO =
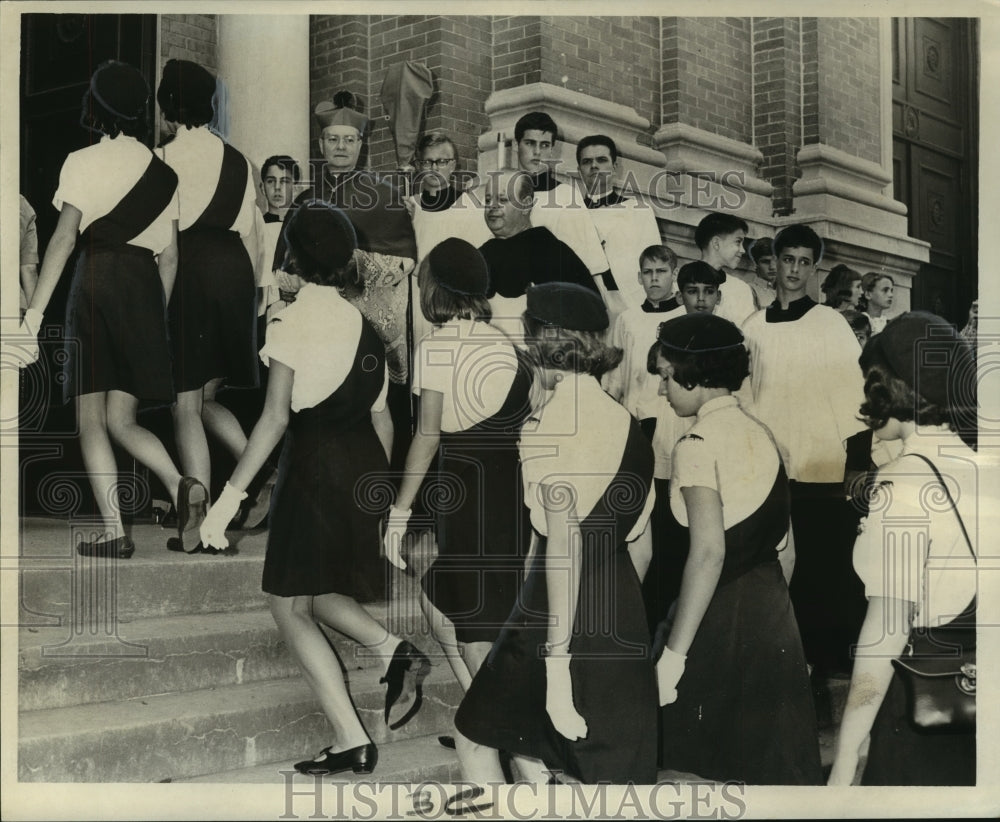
[(459, 267), (567, 305), (120, 89), (186, 91), (928, 354), (699, 332), (322, 233)]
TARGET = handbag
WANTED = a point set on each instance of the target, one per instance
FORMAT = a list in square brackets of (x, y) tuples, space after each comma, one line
[(938, 666)]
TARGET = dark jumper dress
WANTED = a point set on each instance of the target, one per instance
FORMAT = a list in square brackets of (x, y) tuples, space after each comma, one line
[(744, 710), (475, 578), (116, 327), (614, 686), (326, 508), (213, 307)]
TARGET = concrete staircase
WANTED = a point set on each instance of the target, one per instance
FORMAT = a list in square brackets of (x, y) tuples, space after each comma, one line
[(168, 667)]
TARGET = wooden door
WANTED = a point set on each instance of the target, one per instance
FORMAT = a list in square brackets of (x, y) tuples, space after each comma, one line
[(59, 52), (935, 155)]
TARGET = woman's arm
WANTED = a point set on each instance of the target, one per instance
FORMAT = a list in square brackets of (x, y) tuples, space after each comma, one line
[(786, 555), (562, 582), (167, 262), (562, 565), (883, 637), (269, 428), (382, 423), (703, 566), (60, 247), (423, 447)]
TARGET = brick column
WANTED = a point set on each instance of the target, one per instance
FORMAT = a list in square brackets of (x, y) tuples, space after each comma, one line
[(777, 102)]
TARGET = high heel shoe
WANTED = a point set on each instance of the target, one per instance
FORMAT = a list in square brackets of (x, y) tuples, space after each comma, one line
[(121, 548), (192, 507), (361, 759), (405, 676)]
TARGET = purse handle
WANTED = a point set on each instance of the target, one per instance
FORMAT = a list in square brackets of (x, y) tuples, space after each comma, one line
[(968, 542), (940, 479)]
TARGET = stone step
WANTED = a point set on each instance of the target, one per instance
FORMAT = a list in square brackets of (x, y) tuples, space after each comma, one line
[(174, 736), (182, 653), (411, 761), (85, 594)]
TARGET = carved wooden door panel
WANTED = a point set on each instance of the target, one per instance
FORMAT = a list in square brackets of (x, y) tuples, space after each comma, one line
[(935, 144)]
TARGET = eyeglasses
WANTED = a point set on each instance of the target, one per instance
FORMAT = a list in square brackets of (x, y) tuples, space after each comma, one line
[(435, 164), (339, 139)]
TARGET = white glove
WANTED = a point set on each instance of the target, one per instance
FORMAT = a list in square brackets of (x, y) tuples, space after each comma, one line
[(669, 671), (28, 337), (213, 529), (559, 699), (395, 530)]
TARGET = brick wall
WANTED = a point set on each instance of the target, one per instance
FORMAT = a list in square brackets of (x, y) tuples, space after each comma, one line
[(190, 37), (778, 103), (353, 53), (706, 74), (848, 85), (611, 58), (517, 51)]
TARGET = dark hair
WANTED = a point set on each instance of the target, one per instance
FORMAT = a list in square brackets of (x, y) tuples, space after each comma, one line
[(699, 272), (282, 161), (663, 253), (565, 349), (798, 236), (760, 248), (857, 321), (887, 395), (537, 121), (838, 283), (597, 140), (439, 305), (725, 368), (715, 224), (435, 138)]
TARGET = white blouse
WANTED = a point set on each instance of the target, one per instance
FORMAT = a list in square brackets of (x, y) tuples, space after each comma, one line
[(911, 522), (96, 178), (472, 364), (317, 337), (196, 155), (730, 452), (575, 447)]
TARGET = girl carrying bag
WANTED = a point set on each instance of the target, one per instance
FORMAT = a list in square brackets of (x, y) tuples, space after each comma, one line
[(938, 665)]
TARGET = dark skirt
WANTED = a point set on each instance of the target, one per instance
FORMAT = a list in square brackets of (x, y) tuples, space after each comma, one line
[(614, 686), (482, 528), (213, 311), (899, 755), (744, 710), (326, 508), (116, 326)]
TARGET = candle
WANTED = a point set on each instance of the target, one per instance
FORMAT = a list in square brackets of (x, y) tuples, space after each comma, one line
[(500, 148)]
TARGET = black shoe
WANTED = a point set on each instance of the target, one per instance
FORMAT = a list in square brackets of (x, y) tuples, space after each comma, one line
[(360, 760), (192, 507), (405, 676), (174, 544), (121, 548)]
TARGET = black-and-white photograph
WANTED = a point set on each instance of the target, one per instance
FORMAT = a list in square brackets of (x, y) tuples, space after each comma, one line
[(462, 411)]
